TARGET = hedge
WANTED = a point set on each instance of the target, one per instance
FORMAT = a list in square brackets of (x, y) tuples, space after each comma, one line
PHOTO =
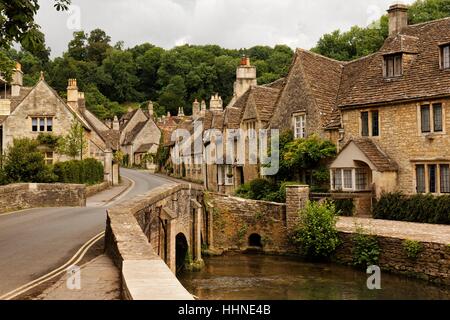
[(417, 208), (88, 171)]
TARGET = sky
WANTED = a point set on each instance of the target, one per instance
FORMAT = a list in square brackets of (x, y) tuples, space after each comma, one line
[(231, 24)]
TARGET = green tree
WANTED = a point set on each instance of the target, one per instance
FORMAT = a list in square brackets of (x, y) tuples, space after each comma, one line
[(6, 66), (173, 96), (17, 22), (98, 45), (74, 144), (78, 46), (306, 156), (25, 163), (316, 234)]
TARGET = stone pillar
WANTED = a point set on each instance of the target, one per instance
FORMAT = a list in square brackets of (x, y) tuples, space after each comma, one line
[(171, 249), (296, 199), (116, 174), (197, 241), (108, 166)]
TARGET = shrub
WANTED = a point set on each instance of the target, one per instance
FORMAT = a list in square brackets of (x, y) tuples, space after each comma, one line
[(366, 250), (87, 171), (417, 208), (25, 163), (316, 234), (412, 248), (257, 189), (344, 207)]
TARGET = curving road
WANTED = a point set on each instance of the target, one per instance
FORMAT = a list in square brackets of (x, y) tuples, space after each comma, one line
[(36, 241)]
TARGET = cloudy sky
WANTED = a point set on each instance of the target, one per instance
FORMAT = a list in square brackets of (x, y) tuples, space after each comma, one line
[(228, 23)]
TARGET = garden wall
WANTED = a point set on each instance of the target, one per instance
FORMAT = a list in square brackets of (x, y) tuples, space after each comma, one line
[(21, 196)]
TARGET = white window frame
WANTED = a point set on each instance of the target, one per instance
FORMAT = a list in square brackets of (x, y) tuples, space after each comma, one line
[(299, 121), (229, 181)]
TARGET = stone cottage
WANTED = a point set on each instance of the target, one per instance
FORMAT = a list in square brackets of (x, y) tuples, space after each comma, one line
[(395, 110), (25, 112), (139, 134)]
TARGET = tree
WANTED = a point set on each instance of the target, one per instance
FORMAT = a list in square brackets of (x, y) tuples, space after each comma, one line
[(74, 144), (173, 96), (17, 22), (98, 45), (78, 46), (25, 163), (6, 66), (306, 156)]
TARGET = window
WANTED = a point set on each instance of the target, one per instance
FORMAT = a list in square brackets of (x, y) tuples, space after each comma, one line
[(348, 179), (393, 66), (445, 178), (42, 124), (365, 124), (34, 126), (251, 127), (420, 177), (425, 118), (370, 123), (432, 179), (375, 124), (337, 179), (445, 57), (220, 175), (431, 118), (49, 124), (300, 126), (362, 179), (48, 157), (437, 117)]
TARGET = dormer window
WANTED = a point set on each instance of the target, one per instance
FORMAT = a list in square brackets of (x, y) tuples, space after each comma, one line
[(393, 65), (445, 56)]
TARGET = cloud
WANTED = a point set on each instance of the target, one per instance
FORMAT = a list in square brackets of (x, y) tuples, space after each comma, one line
[(229, 23)]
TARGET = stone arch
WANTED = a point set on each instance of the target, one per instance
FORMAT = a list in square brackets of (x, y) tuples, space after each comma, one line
[(181, 251), (158, 236), (255, 240)]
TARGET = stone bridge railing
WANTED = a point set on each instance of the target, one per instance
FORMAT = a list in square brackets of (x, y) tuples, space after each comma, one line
[(140, 238)]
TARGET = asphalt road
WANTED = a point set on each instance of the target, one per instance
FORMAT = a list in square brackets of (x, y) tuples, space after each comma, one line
[(37, 241)]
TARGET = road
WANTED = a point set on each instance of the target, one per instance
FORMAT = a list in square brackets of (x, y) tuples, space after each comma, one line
[(36, 241)]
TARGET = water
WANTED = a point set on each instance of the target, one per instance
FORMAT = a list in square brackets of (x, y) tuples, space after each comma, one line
[(258, 277)]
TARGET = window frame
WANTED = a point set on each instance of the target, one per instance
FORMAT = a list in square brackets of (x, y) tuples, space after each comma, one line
[(444, 57), (393, 65), (302, 127), (431, 179), (370, 123), (434, 125)]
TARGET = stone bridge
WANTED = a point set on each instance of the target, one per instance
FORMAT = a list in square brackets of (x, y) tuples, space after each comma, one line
[(153, 236)]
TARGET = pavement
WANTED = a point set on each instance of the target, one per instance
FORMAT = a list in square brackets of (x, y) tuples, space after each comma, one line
[(36, 241), (99, 280)]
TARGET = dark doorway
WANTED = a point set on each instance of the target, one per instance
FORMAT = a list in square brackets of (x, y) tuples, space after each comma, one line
[(181, 251), (240, 175), (255, 241)]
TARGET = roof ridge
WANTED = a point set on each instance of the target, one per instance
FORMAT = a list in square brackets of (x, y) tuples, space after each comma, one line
[(301, 50), (428, 22)]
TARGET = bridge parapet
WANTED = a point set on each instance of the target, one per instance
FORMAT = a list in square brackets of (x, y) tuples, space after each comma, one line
[(141, 239)]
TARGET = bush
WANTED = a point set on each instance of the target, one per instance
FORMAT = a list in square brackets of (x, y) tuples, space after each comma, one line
[(257, 189), (418, 208), (316, 234), (88, 171), (344, 207), (280, 195), (25, 163), (366, 250), (412, 248)]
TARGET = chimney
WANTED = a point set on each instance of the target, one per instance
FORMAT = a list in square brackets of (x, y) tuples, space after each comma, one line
[(181, 112), (398, 18), (72, 94), (116, 125), (151, 111), (196, 108), (245, 78), (203, 108), (17, 80), (81, 101), (216, 103)]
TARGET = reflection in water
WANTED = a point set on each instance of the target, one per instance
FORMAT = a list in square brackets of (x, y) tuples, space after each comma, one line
[(258, 277)]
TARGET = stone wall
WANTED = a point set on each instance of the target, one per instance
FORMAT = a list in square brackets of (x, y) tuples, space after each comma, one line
[(234, 220), (93, 190), (140, 238), (432, 264), (32, 195)]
